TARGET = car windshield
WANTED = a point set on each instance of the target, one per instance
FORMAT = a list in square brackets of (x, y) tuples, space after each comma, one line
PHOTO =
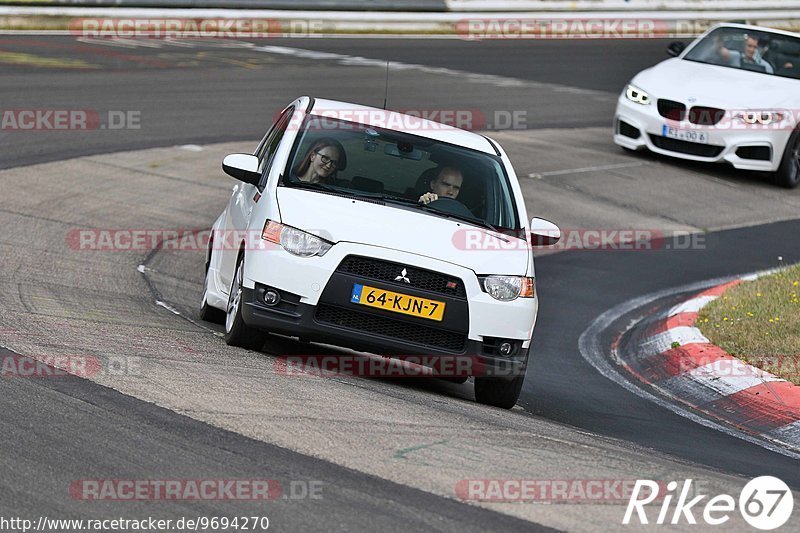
[(754, 50), (397, 169)]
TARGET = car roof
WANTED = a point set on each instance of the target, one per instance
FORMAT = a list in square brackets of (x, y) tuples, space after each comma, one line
[(406, 123)]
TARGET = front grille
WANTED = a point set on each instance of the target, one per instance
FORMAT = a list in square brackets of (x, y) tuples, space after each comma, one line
[(685, 147), (395, 329), (671, 109), (761, 153), (627, 130), (387, 271), (705, 116)]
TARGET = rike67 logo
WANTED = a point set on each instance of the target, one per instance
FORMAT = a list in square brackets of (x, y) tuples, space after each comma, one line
[(765, 503)]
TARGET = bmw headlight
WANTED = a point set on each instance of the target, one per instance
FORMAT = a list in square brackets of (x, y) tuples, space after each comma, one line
[(507, 288), (764, 118), (295, 241), (635, 94)]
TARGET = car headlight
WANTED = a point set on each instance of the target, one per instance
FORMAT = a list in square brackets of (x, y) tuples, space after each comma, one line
[(759, 117), (635, 94), (295, 241), (507, 288)]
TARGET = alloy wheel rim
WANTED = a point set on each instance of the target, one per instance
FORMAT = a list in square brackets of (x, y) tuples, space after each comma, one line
[(234, 300), (796, 154)]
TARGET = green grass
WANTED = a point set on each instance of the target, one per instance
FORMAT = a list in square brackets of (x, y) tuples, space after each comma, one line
[(759, 322)]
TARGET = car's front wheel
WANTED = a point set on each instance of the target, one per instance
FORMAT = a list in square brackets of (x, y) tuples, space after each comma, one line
[(237, 333), (498, 392), (788, 174)]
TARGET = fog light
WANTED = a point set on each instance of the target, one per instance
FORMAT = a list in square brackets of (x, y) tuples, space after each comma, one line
[(505, 348), (271, 297)]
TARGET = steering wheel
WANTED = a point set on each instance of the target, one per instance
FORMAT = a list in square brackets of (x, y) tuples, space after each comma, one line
[(452, 206)]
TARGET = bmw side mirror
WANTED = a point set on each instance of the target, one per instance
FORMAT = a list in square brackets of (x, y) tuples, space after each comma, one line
[(675, 48), (243, 167), (544, 232)]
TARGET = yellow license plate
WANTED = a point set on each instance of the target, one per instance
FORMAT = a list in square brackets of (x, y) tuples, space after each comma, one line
[(397, 302)]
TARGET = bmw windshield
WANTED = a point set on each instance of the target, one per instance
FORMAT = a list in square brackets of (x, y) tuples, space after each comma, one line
[(756, 51), (403, 171)]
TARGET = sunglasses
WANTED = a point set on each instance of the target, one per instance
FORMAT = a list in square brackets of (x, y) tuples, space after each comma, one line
[(327, 160)]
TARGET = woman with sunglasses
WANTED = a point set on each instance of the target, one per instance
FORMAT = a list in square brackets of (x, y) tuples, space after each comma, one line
[(321, 162)]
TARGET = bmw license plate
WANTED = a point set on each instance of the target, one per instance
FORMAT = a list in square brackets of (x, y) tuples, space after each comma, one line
[(397, 302), (692, 136)]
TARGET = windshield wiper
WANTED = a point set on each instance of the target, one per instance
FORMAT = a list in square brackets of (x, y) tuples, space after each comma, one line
[(316, 186), (463, 218)]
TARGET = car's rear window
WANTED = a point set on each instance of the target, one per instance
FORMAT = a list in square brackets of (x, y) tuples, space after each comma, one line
[(399, 168)]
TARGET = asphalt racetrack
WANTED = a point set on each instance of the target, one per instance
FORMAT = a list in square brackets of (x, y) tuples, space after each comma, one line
[(387, 454)]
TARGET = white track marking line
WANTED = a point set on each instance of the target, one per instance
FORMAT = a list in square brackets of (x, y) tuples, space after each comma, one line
[(691, 306), (539, 175)]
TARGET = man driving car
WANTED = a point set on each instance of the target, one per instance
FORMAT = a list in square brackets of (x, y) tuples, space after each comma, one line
[(446, 184)]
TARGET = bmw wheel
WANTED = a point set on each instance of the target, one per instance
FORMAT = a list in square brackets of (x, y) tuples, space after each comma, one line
[(788, 174)]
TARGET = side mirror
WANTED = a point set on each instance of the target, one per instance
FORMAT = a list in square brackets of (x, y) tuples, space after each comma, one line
[(675, 48), (243, 167), (544, 232)]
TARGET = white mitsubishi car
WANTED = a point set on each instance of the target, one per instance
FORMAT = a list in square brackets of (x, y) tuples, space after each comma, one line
[(732, 95), (380, 232)]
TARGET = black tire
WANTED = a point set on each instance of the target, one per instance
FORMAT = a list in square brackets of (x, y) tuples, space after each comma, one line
[(208, 313), (498, 392), (788, 174), (237, 333)]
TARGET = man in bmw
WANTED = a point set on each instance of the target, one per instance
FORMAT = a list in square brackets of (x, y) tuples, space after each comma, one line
[(750, 56)]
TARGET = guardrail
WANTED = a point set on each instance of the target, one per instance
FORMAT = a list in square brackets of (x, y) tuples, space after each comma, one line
[(322, 5), (466, 24), (567, 6), (507, 6)]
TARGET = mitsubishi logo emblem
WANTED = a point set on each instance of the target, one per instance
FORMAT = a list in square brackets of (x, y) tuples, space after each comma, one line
[(402, 277)]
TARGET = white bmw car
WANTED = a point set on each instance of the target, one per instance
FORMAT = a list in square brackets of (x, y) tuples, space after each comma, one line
[(382, 232), (732, 95)]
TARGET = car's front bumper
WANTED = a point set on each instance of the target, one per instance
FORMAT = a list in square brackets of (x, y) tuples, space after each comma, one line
[(745, 147), (310, 278), (328, 324)]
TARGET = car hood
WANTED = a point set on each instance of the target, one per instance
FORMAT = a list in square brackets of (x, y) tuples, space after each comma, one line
[(716, 86), (344, 219)]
